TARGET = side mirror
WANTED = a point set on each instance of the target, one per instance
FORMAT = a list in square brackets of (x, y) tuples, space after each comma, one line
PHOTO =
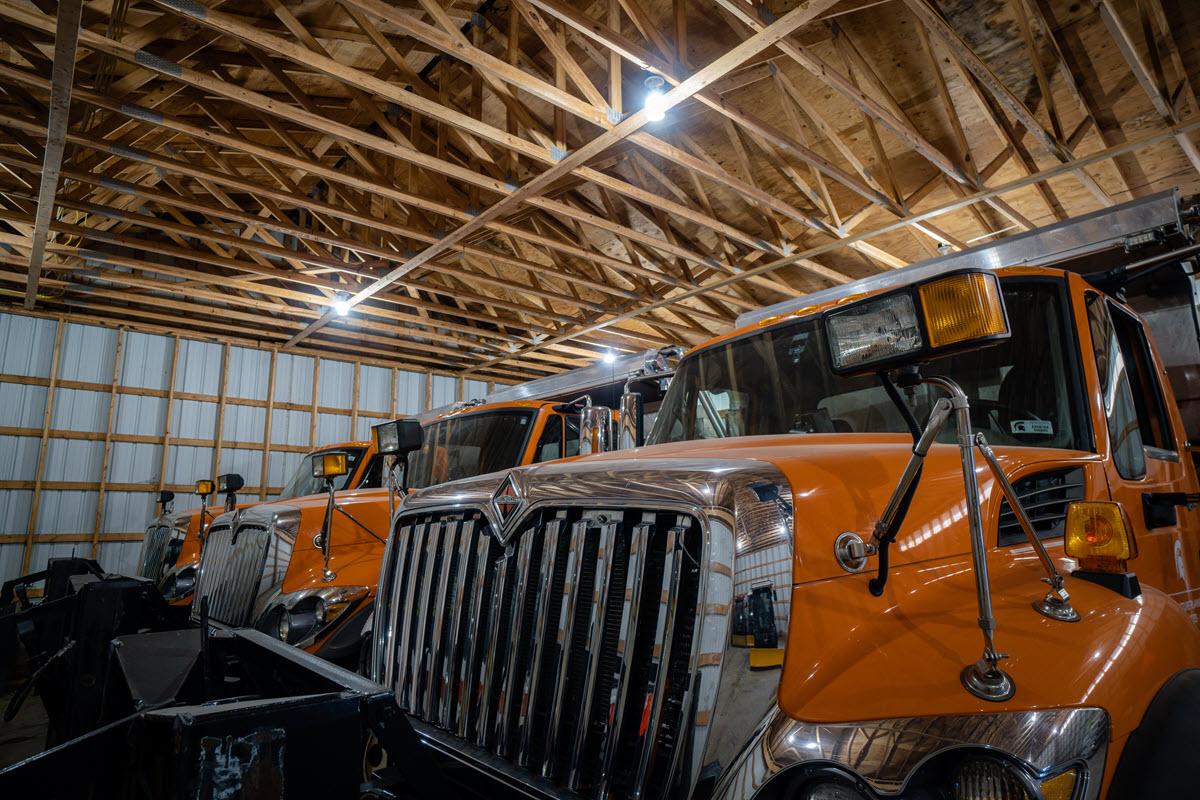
[(229, 485), (395, 440), (595, 430), (949, 314)]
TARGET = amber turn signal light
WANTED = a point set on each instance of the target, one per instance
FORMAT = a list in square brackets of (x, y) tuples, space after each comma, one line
[(1098, 534), (961, 308), (204, 488), (329, 465)]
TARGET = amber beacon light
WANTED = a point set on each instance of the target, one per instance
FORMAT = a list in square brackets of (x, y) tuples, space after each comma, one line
[(1099, 536)]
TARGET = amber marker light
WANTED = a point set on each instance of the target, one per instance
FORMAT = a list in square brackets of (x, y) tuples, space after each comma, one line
[(204, 488), (1099, 536), (961, 308), (329, 465)]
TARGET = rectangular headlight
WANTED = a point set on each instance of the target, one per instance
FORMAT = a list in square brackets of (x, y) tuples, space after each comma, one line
[(874, 332), (397, 436)]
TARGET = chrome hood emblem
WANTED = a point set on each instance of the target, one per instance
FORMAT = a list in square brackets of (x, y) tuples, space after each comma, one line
[(508, 502)]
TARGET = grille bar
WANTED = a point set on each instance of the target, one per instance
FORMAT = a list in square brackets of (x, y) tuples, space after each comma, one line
[(566, 650), (231, 568)]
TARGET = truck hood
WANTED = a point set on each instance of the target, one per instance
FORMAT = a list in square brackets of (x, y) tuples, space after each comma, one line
[(839, 482)]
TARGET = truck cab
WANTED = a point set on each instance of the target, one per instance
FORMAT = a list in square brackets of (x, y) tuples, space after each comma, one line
[(171, 550), (929, 534)]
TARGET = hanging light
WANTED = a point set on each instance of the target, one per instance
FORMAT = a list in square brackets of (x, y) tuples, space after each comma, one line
[(609, 357), (341, 304), (656, 99)]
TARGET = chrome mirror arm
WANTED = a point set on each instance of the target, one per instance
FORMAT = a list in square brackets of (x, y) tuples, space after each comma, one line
[(1057, 602), (326, 531), (984, 678)]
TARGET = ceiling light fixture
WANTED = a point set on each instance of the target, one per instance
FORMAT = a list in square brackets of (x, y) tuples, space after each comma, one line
[(656, 99), (609, 357), (341, 304)]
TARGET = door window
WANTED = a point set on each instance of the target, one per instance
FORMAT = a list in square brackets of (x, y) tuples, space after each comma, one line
[(1124, 429), (549, 446), (1143, 381)]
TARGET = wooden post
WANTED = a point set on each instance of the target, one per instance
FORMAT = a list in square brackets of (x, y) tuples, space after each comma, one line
[(395, 377), (265, 474), (354, 403), (316, 382), (461, 389), (428, 390), (220, 432), (112, 407), (35, 505), (166, 437)]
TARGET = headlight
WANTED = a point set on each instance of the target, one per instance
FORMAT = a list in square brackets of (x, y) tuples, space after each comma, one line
[(180, 584), (300, 616), (830, 790), (988, 779)]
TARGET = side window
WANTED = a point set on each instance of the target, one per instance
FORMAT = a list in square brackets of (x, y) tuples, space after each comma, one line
[(571, 421), (1124, 430), (373, 474), (549, 446), (1143, 381)]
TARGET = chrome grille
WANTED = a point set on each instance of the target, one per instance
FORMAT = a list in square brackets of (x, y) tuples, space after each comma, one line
[(231, 568), (567, 652), (154, 550)]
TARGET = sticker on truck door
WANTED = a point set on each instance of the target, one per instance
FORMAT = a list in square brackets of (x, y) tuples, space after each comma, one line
[(1039, 427)]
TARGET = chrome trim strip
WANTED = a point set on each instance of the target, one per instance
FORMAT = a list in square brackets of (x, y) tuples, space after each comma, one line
[(469, 698), (404, 660), (639, 544), (664, 634), (533, 668), (500, 571), (566, 632), (604, 558), (452, 656), (418, 658), (508, 691), (433, 670)]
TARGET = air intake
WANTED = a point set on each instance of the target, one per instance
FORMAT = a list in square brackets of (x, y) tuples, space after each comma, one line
[(1045, 497)]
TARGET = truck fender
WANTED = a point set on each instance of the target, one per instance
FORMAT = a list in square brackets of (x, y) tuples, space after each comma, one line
[(1159, 756)]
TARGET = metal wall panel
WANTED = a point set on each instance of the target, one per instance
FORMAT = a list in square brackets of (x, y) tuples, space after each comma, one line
[(410, 392), (26, 345), (146, 361), (473, 389), (445, 390), (97, 464)]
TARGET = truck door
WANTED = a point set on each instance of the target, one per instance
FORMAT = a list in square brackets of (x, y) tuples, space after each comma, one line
[(1145, 442)]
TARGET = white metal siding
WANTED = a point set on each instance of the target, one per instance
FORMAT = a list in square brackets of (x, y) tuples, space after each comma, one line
[(218, 395)]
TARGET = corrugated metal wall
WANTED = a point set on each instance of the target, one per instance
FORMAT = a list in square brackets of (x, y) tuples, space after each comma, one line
[(94, 421)]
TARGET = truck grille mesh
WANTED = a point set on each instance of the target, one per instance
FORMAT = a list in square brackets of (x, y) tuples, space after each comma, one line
[(568, 653), (154, 551), (231, 569), (1045, 497)]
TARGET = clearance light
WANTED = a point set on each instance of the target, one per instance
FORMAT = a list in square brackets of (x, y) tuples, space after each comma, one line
[(329, 465), (955, 312), (963, 307), (1099, 536), (204, 488)]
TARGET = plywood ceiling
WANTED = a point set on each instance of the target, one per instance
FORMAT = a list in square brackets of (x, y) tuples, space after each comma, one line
[(482, 183)]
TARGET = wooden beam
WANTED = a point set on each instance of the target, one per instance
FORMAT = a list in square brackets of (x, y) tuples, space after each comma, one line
[(66, 38), (44, 442), (791, 21), (108, 432)]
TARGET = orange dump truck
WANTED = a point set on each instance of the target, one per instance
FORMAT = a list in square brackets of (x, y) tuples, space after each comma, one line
[(170, 553), (305, 569), (932, 534)]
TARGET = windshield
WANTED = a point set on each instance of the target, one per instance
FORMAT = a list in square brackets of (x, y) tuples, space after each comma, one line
[(303, 483), (1022, 391), (468, 445)]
